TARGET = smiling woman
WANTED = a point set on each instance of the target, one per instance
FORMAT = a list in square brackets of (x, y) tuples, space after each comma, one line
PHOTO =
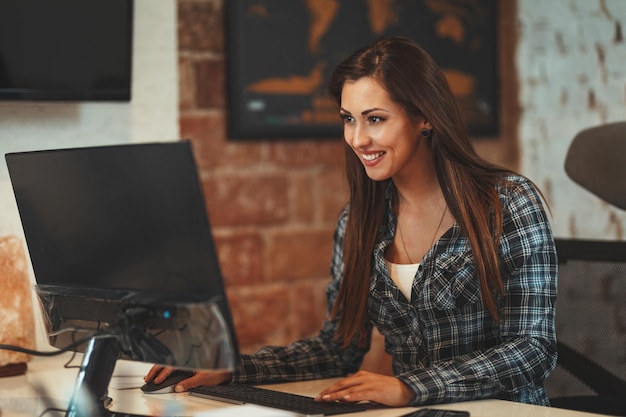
[(463, 295)]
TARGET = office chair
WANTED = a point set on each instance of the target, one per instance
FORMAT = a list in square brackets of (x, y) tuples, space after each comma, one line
[(591, 369), (596, 160)]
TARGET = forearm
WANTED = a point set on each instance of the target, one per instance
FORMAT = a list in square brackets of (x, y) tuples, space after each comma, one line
[(513, 370), (311, 358)]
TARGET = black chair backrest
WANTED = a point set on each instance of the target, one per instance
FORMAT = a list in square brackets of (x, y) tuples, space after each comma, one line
[(591, 327)]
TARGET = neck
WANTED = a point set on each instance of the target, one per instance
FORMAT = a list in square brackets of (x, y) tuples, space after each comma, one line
[(418, 183), (419, 195)]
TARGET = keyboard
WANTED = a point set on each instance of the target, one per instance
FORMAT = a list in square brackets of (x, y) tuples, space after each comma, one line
[(299, 404)]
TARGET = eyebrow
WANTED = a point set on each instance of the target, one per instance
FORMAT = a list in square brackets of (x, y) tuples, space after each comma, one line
[(365, 112)]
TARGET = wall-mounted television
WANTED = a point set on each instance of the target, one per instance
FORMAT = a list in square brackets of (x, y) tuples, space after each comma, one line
[(68, 50)]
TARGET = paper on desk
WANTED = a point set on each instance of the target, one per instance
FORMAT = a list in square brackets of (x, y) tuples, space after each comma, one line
[(249, 410), (126, 382), (129, 374), (127, 368)]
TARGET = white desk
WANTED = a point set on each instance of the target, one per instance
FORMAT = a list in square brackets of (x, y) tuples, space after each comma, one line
[(48, 384)]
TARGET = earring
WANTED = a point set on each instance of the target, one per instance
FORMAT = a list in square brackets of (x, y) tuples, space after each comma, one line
[(425, 132)]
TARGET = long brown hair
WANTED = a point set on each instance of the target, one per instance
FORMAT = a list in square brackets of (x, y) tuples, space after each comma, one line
[(414, 81)]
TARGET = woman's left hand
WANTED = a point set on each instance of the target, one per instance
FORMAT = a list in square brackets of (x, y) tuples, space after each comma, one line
[(368, 386)]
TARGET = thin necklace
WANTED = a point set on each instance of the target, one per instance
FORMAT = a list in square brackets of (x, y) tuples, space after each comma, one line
[(406, 252)]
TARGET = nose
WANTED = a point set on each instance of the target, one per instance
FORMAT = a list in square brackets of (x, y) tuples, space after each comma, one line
[(356, 136)]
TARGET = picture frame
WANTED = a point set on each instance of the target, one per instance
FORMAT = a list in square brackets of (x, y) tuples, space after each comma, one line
[(280, 54)]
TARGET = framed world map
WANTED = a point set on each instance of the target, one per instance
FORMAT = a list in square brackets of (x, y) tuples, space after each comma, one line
[(280, 54)]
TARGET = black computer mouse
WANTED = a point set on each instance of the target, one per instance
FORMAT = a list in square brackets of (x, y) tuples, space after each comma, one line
[(168, 384)]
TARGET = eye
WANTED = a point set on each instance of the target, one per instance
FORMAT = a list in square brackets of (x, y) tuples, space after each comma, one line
[(375, 119), (346, 118)]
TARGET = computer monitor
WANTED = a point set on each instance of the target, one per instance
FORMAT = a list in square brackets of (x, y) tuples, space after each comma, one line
[(124, 258)]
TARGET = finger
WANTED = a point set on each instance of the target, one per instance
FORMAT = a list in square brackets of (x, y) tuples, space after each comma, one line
[(337, 391), (203, 378), (369, 387), (162, 374), (347, 395), (344, 383), (154, 371), (355, 393)]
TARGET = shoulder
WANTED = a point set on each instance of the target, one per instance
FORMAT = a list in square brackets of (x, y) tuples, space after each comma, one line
[(526, 235), (517, 191), (510, 184), (524, 216)]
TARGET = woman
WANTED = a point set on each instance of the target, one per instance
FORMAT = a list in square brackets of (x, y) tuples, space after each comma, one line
[(450, 257)]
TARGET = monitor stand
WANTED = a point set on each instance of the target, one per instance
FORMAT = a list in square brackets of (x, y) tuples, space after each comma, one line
[(90, 398), (193, 336), (92, 383)]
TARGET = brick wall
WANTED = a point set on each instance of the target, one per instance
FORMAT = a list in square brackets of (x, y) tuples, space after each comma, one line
[(273, 204)]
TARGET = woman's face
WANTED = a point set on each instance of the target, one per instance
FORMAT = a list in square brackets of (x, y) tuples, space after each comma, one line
[(379, 131)]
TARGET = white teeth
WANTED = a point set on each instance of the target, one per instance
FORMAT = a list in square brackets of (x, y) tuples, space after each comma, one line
[(371, 157)]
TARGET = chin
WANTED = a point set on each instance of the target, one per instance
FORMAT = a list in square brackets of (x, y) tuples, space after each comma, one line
[(376, 176)]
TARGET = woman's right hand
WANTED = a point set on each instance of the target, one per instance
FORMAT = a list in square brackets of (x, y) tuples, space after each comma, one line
[(158, 373)]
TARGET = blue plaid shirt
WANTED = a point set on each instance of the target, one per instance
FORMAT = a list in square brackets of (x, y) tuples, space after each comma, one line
[(444, 344)]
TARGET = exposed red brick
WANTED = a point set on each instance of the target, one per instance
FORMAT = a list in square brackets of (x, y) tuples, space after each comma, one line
[(208, 135), (305, 154), (308, 308), (333, 152), (241, 258), (200, 25), (246, 199), (203, 131), (302, 201), (300, 254), (186, 83), (259, 315), (210, 83), (333, 193)]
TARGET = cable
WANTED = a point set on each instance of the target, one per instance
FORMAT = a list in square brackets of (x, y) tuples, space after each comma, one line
[(52, 409), (67, 348)]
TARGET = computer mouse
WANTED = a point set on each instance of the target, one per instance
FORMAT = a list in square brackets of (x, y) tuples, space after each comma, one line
[(168, 383)]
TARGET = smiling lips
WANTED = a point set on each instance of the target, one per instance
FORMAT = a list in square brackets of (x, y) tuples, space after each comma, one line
[(372, 158)]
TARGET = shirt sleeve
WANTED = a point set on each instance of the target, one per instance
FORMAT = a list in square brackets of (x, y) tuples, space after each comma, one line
[(309, 358), (516, 367)]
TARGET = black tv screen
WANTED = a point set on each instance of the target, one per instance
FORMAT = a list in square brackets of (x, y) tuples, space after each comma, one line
[(72, 50)]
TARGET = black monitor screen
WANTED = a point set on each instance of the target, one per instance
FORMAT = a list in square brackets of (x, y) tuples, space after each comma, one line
[(111, 219), (129, 218), (66, 50)]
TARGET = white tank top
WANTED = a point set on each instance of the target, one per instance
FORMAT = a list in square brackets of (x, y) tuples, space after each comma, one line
[(402, 275)]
